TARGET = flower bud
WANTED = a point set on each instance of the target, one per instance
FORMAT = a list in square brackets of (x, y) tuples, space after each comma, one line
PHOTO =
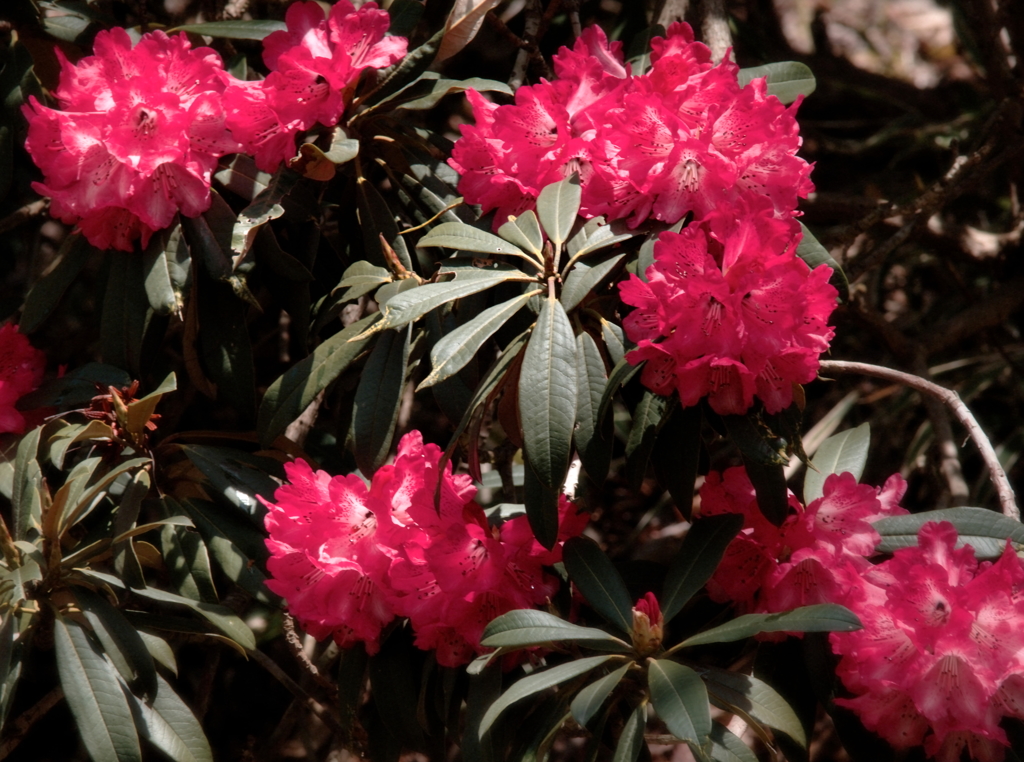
[(648, 625)]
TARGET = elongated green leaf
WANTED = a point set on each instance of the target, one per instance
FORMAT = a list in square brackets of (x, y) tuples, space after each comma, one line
[(378, 399), (462, 237), (219, 616), (236, 477), (541, 504), (10, 665), (237, 29), (167, 723), (47, 292), (594, 575), (450, 354), (443, 87), (76, 388), (188, 564), (292, 393), (592, 433), (676, 455), (984, 530), (756, 699), (786, 80), (647, 417), (240, 176), (408, 306), (821, 617), (537, 682), (697, 560), (842, 452), (524, 627), (160, 651), (78, 509), (362, 272), (464, 21), (524, 231), (632, 739), (615, 342), (589, 700), (377, 220), (764, 463), (726, 746), (90, 686), (547, 395), (167, 269), (680, 699), (595, 235), (584, 278), (814, 254), (120, 640), (28, 483), (405, 71), (557, 207), (619, 377)]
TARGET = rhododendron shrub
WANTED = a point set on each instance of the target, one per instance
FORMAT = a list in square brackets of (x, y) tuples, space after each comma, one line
[(728, 311), (347, 557), (314, 66), (681, 137), (135, 139), (21, 371)]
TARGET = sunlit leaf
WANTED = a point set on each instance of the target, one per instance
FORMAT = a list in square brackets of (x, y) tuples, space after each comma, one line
[(590, 699), (786, 80), (592, 572), (680, 699), (842, 452), (821, 617)]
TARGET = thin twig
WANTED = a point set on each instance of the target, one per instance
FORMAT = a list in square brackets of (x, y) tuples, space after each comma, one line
[(295, 644), (952, 400), (949, 457), (296, 690), (17, 730), (23, 214)]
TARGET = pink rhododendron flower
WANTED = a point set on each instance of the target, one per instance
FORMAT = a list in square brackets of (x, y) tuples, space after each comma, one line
[(348, 558), (314, 65), (941, 641), (137, 135), (682, 137), (729, 312), (21, 371)]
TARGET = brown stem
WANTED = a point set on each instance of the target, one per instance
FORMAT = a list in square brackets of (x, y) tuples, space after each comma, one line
[(530, 31), (952, 400), (295, 644), (23, 214), (296, 690), (716, 28), (17, 730), (949, 456)]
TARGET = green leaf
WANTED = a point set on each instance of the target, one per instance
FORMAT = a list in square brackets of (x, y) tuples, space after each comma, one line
[(524, 231), (537, 682), (595, 235), (236, 477), (188, 564), (592, 434), (264, 208), (619, 377), (411, 305), (845, 451), (984, 530), (126, 563), (463, 237), (557, 207), (76, 388), (378, 399), (676, 455), (547, 395), (442, 87), (126, 312), (47, 292), (615, 342), (219, 616), (351, 682), (292, 393), (450, 354), (28, 484), (814, 254), (92, 691), (756, 699), (764, 464), (584, 278), (120, 640), (10, 664), (726, 746), (647, 418), (209, 240), (596, 578), (527, 627), (680, 699), (631, 741), (589, 700), (541, 504), (376, 221), (236, 546), (786, 80), (407, 70), (240, 176), (167, 268), (697, 559), (821, 617), (237, 29), (167, 723), (160, 651)]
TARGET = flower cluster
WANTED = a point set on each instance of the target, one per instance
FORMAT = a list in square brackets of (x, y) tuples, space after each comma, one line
[(137, 136), (939, 659), (729, 311), (140, 129), (21, 371), (314, 67), (814, 553), (349, 557), (684, 136)]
